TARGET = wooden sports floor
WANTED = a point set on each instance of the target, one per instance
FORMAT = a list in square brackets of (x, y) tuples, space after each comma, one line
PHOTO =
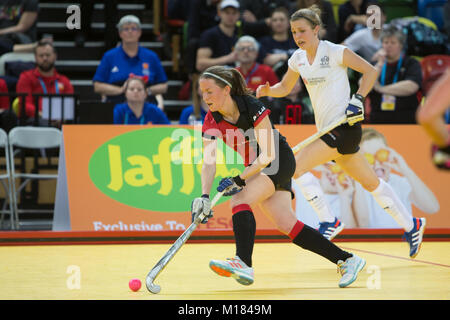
[(283, 271)]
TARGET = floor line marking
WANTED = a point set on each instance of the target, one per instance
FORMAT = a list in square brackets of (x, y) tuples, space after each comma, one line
[(397, 257)]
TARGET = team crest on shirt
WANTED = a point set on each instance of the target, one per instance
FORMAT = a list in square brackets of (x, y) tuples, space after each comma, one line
[(145, 69), (325, 62)]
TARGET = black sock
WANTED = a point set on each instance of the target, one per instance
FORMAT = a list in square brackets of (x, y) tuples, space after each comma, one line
[(244, 227), (310, 239)]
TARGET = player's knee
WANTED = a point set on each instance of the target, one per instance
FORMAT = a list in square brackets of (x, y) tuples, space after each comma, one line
[(286, 223)]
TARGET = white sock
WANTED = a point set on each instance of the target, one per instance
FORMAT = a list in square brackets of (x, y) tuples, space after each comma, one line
[(386, 197), (312, 191)]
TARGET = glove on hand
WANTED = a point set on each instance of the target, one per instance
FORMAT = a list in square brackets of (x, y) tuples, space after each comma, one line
[(201, 205), (355, 109), (231, 186)]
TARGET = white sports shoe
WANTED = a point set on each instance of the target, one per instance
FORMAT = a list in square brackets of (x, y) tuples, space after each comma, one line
[(235, 268), (349, 270)]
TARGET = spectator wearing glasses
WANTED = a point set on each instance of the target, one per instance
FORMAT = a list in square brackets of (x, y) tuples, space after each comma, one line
[(129, 58), (254, 73)]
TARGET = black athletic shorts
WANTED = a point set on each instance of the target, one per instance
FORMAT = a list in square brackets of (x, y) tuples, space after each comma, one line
[(281, 178), (345, 138)]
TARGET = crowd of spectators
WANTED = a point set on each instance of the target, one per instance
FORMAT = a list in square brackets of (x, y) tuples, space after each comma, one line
[(250, 35)]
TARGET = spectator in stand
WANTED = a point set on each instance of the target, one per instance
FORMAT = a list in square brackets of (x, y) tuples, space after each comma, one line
[(352, 17), (136, 110), (366, 42), (295, 108), (254, 73), (118, 63), (256, 14), (393, 98), (328, 31), (277, 48), (18, 20), (217, 43), (43, 79)]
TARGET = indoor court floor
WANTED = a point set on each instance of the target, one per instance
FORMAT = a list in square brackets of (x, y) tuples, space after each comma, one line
[(283, 271)]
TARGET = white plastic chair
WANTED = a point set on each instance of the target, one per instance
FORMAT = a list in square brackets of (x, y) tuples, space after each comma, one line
[(5, 179), (15, 56), (30, 138)]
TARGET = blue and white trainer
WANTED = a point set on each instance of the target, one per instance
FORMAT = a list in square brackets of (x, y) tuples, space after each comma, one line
[(349, 269), (415, 236), (235, 268), (331, 229)]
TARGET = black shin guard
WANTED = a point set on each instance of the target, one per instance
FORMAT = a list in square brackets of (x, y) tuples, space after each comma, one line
[(244, 227), (310, 239)]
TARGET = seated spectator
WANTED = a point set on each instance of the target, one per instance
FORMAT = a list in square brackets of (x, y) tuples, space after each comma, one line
[(118, 63), (352, 16), (216, 44), (17, 24), (136, 110), (328, 30), (393, 98), (366, 42), (277, 48), (295, 108), (43, 79), (187, 114), (255, 74)]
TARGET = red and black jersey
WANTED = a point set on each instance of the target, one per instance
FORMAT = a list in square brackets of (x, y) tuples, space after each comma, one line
[(239, 136)]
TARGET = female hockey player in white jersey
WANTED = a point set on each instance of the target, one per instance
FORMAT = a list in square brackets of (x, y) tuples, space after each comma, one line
[(323, 68)]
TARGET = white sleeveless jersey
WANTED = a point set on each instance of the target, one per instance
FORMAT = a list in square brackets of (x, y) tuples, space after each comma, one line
[(326, 81)]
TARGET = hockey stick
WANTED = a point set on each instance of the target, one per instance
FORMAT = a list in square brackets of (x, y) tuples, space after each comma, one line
[(318, 134), (149, 280)]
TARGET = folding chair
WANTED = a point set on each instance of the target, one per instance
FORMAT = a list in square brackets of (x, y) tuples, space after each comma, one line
[(37, 138), (5, 179)]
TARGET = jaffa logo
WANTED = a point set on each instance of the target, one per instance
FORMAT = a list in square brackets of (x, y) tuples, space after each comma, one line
[(157, 169)]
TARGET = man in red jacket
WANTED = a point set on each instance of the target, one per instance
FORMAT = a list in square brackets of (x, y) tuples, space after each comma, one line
[(43, 79)]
